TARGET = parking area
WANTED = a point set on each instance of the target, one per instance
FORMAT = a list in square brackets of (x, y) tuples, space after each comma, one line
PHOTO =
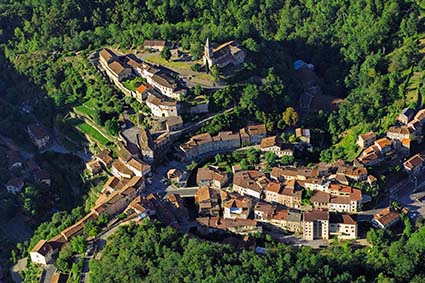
[(413, 199)]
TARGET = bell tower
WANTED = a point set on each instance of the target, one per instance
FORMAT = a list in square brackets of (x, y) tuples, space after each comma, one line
[(208, 55)]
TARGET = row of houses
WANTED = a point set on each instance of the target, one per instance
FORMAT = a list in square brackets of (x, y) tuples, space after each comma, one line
[(398, 138), (119, 68), (204, 144), (111, 202), (32, 172), (221, 211), (289, 192)]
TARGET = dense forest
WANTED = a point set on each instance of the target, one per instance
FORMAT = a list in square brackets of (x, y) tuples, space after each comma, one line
[(149, 253), (363, 51)]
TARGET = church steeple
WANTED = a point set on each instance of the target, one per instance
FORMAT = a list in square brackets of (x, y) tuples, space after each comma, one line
[(208, 55), (208, 52)]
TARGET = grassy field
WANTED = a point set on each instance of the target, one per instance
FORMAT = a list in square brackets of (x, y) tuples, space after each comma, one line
[(156, 59), (92, 133), (86, 108)]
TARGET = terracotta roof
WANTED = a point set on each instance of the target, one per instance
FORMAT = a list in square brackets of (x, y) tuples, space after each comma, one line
[(399, 130), (42, 247), (383, 142), (280, 214), (414, 161), (299, 132), (242, 203), (155, 100), (204, 194), (268, 142), (386, 216), (319, 196), (121, 168), (316, 215), (368, 136), (250, 179), (139, 165), (227, 135), (209, 174), (342, 218), (107, 54), (154, 42), (105, 157), (174, 121), (259, 129), (266, 208), (143, 88), (274, 187), (117, 67)]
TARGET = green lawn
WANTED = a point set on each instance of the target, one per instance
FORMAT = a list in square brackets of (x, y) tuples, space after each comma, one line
[(156, 59), (92, 133), (86, 108)]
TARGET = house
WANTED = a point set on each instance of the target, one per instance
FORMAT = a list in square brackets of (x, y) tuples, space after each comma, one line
[(303, 135), (143, 207), (209, 225), (237, 207), (177, 206), (174, 175), (406, 115), (42, 176), (114, 66), (287, 219), (139, 143), (253, 134), (174, 123), (142, 92), (113, 184), (161, 107), (197, 145), (384, 145), (316, 225), (42, 253), (263, 211), (349, 196), (226, 140), (211, 177), (366, 140), (273, 192), (343, 226), (250, 182), (15, 185), (355, 174), (385, 218), (229, 53), (104, 158), (153, 44), (166, 85), (14, 159), (139, 168), (291, 195), (94, 166), (120, 170), (39, 135), (414, 165), (399, 133), (320, 200), (208, 201), (274, 144)]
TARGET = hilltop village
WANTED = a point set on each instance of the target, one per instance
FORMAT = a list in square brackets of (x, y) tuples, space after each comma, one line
[(242, 183)]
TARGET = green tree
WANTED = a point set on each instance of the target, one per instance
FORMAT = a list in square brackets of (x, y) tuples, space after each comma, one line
[(290, 116), (165, 53)]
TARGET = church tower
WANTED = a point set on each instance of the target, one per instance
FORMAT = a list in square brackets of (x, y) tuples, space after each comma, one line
[(208, 55)]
